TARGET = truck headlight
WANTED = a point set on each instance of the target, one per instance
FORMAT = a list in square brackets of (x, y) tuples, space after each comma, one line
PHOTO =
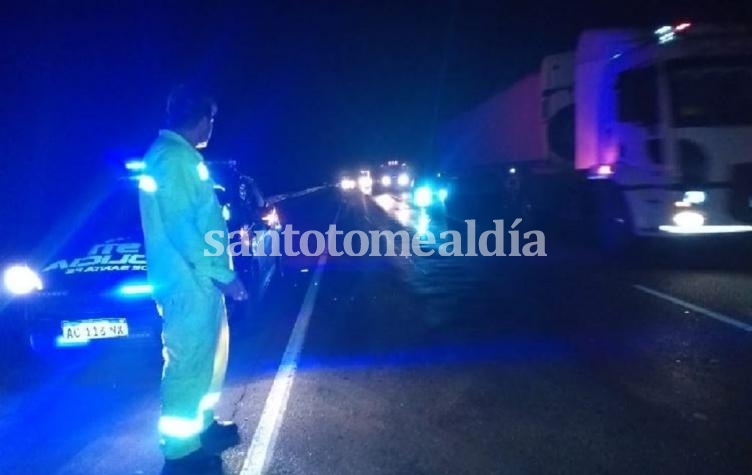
[(21, 280), (403, 179), (689, 219), (386, 180)]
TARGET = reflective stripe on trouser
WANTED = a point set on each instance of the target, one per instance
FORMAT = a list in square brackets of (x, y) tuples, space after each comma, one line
[(195, 336)]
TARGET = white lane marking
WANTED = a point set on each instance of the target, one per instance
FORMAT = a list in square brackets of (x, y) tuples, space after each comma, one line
[(262, 446), (696, 308)]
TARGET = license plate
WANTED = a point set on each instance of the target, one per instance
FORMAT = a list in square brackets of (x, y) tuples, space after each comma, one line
[(95, 329)]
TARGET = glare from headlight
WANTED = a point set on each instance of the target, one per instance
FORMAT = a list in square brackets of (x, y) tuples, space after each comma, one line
[(403, 179), (443, 194), (386, 180), (689, 219), (423, 197), (21, 280)]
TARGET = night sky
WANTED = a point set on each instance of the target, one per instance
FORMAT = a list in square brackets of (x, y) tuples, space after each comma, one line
[(305, 88)]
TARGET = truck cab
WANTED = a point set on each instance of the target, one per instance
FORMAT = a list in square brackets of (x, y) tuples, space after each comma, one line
[(666, 119)]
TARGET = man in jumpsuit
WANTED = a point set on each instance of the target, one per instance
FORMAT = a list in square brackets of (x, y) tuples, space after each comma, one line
[(178, 208)]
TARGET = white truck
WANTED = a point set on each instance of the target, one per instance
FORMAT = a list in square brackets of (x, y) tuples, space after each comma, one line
[(639, 133)]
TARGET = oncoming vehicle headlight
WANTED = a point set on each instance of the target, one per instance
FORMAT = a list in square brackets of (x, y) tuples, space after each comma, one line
[(21, 280), (423, 197), (347, 184), (386, 180), (403, 179)]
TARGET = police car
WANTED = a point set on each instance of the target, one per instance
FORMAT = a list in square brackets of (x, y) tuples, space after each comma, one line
[(88, 285)]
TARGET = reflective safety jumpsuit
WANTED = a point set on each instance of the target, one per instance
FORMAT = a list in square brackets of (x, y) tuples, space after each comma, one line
[(178, 208)]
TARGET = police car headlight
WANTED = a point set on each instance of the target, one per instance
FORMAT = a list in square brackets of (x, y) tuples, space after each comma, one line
[(21, 280)]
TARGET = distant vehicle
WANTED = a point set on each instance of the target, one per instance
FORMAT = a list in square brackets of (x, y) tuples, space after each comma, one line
[(394, 177), (88, 286), (365, 181), (347, 183), (635, 133)]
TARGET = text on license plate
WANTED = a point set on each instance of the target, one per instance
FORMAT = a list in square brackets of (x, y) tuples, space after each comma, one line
[(95, 329)]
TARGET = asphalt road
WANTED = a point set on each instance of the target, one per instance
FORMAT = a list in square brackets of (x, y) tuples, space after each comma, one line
[(423, 365)]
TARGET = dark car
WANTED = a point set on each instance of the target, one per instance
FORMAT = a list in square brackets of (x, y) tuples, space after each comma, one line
[(88, 284)]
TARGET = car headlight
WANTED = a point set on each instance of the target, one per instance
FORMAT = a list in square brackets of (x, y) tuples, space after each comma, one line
[(21, 280), (386, 180), (347, 184), (403, 179), (423, 197)]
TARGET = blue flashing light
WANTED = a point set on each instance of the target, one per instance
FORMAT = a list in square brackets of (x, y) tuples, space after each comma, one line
[(423, 197), (135, 165), (136, 289)]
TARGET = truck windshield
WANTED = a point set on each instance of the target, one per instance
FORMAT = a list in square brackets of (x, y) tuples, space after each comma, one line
[(711, 92)]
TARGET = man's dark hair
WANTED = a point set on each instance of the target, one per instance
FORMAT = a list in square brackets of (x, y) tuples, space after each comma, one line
[(187, 106)]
